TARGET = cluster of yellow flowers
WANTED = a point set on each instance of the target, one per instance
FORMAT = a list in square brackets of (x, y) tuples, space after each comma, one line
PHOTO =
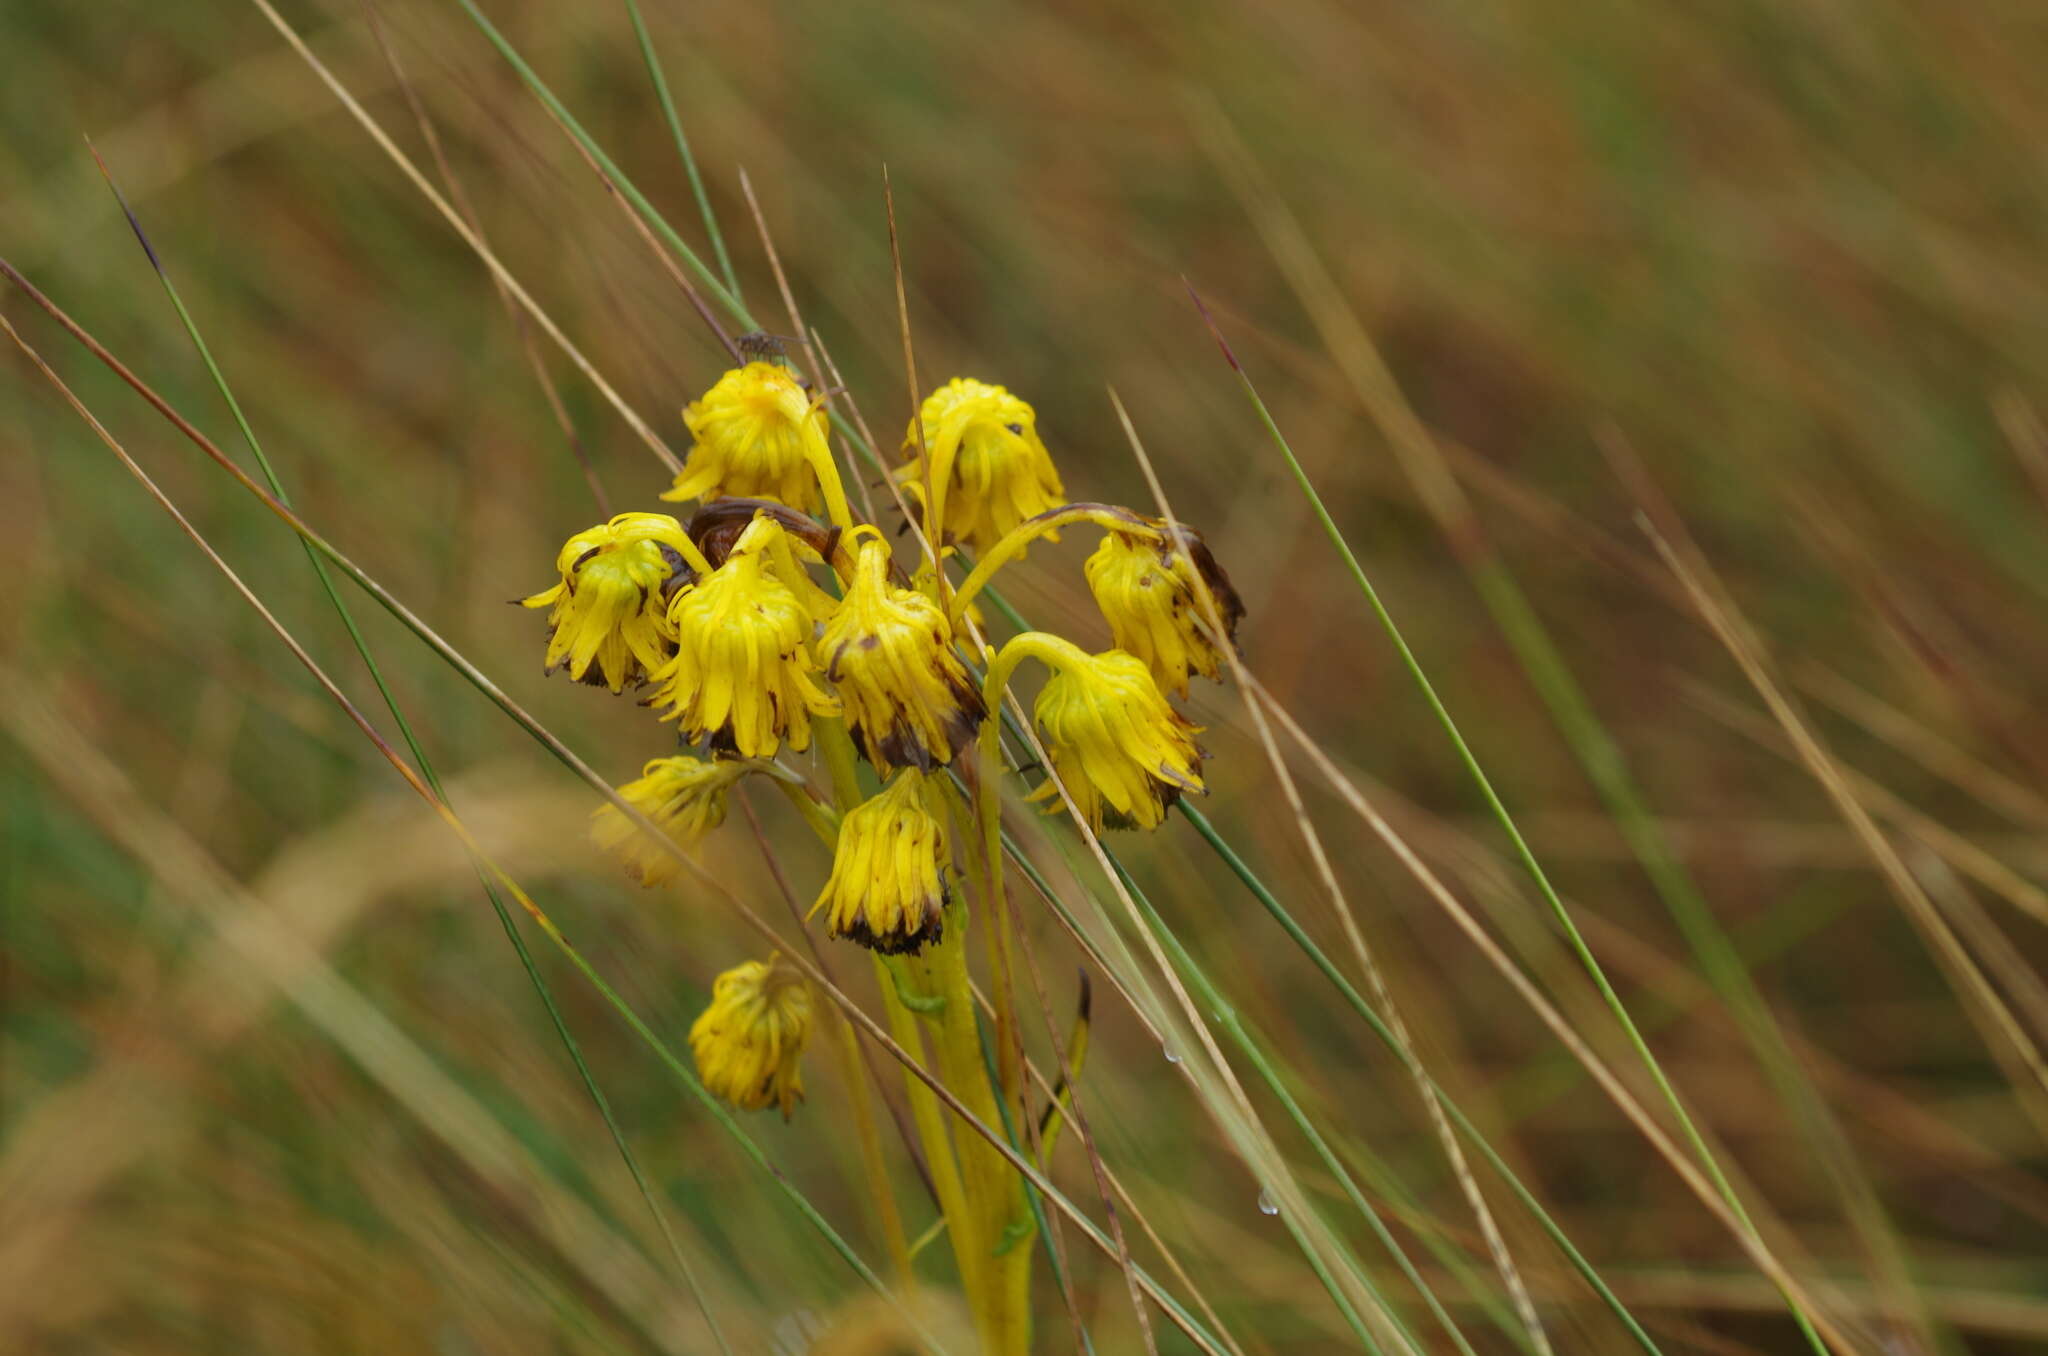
[(747, 653)]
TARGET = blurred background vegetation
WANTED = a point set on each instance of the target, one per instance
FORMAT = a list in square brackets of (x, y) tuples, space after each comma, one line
[(1787, 255)]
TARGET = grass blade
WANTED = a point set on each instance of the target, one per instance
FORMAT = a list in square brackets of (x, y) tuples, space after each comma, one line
[(1501, 815), (425, 765), (675, 128)]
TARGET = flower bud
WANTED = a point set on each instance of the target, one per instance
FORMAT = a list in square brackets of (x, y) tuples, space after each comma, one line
[(748, 1042)]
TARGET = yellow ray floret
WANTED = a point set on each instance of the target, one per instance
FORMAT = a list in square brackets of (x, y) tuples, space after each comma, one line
[(741, 674), (981, 443), (1124, 754), (888, 887), (1147, 593), (757, 435), (684, 796), (890, 653), (749, 1040), (610, 606)]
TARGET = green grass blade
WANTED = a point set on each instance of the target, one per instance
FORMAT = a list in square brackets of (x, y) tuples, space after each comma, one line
[(675, 127), (725, 296), (1505, 819), (1322, 962), (426, 766), (1242, 1036), (1225, 1014)]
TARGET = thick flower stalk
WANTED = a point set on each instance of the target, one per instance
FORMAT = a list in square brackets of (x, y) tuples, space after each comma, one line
[(983, 465), (889, 888), (608, 620), (1124, 754), (742, 672), (749, 1041), (889, 651), (686, 799), (1150, 596)]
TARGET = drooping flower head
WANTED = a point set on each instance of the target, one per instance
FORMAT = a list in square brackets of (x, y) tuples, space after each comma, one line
[(890, 651), (684, 796), (1147, 593), (1000, 473), (741, 673), (609, 608), (749, 1040), (888, 888), (1123, 752), (756, 433)]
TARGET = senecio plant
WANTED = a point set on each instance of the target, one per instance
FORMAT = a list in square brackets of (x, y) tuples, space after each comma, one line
[(730, 624)]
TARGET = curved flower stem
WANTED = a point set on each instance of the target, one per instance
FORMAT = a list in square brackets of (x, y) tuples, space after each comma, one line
[(1040, 525), (837, 747), (819, 454), (692, 554), (1055, 653), (938, 474)]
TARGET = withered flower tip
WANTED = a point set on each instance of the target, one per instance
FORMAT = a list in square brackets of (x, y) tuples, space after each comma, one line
[(888, 888), (889, 651), (1147, 592)]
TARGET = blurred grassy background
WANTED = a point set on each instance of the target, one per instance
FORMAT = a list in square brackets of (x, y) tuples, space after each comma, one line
[(1791, 253)]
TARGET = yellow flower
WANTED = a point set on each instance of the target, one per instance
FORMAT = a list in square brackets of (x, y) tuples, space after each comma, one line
[(1146, 591), (888, 887), (890, 652), (757, 432), (742, 669), (610, 606), (1000, 473), (1124, 754), (749, 1040), (684, 796)]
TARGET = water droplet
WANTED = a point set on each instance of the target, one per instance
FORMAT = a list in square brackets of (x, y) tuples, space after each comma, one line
[(1172, 1055), (1267, 1205)]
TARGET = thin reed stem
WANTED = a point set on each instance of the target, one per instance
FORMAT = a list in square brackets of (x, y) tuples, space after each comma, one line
[(1401, 1051), (675, 129), (1502, 816), (425, 764)]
